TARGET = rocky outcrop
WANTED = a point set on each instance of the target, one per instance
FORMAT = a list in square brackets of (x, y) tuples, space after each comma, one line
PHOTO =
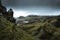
[(6, 14)]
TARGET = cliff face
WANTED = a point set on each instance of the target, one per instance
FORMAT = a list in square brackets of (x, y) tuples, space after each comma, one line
[(6, 14)]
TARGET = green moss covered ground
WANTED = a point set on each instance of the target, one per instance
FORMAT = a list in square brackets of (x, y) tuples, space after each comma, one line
[(9, 31), (47, 29)]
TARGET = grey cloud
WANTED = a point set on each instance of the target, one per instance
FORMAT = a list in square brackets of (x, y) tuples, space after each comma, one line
[(31, 2)]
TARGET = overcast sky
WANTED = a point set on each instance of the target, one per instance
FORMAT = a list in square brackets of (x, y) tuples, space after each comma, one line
[(31, 2), (36, 7)]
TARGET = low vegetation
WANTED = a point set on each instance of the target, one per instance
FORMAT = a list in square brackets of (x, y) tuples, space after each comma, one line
[(9, 31), (46, 29)]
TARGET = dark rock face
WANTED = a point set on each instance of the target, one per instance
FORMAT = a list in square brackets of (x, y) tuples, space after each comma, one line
[(6, 14)]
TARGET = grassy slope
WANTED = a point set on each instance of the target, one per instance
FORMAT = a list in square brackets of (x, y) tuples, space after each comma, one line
[(9, 31), (47, 29)]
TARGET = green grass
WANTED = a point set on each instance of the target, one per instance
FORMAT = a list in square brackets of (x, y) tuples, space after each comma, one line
[(44, 29), (9, 31)]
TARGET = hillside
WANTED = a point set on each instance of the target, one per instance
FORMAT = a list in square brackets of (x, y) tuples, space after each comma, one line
[(47, 29), (9, 31)]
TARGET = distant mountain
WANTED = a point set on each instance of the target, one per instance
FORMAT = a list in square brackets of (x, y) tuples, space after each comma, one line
[(32, 18)]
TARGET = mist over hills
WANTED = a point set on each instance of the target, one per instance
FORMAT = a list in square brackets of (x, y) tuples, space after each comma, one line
[(38, 7)]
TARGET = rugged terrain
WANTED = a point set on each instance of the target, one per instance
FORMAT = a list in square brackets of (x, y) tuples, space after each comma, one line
[(45, 29), (9, 31)]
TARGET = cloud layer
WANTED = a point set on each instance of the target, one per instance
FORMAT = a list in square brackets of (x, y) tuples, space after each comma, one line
[(31, 2)]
